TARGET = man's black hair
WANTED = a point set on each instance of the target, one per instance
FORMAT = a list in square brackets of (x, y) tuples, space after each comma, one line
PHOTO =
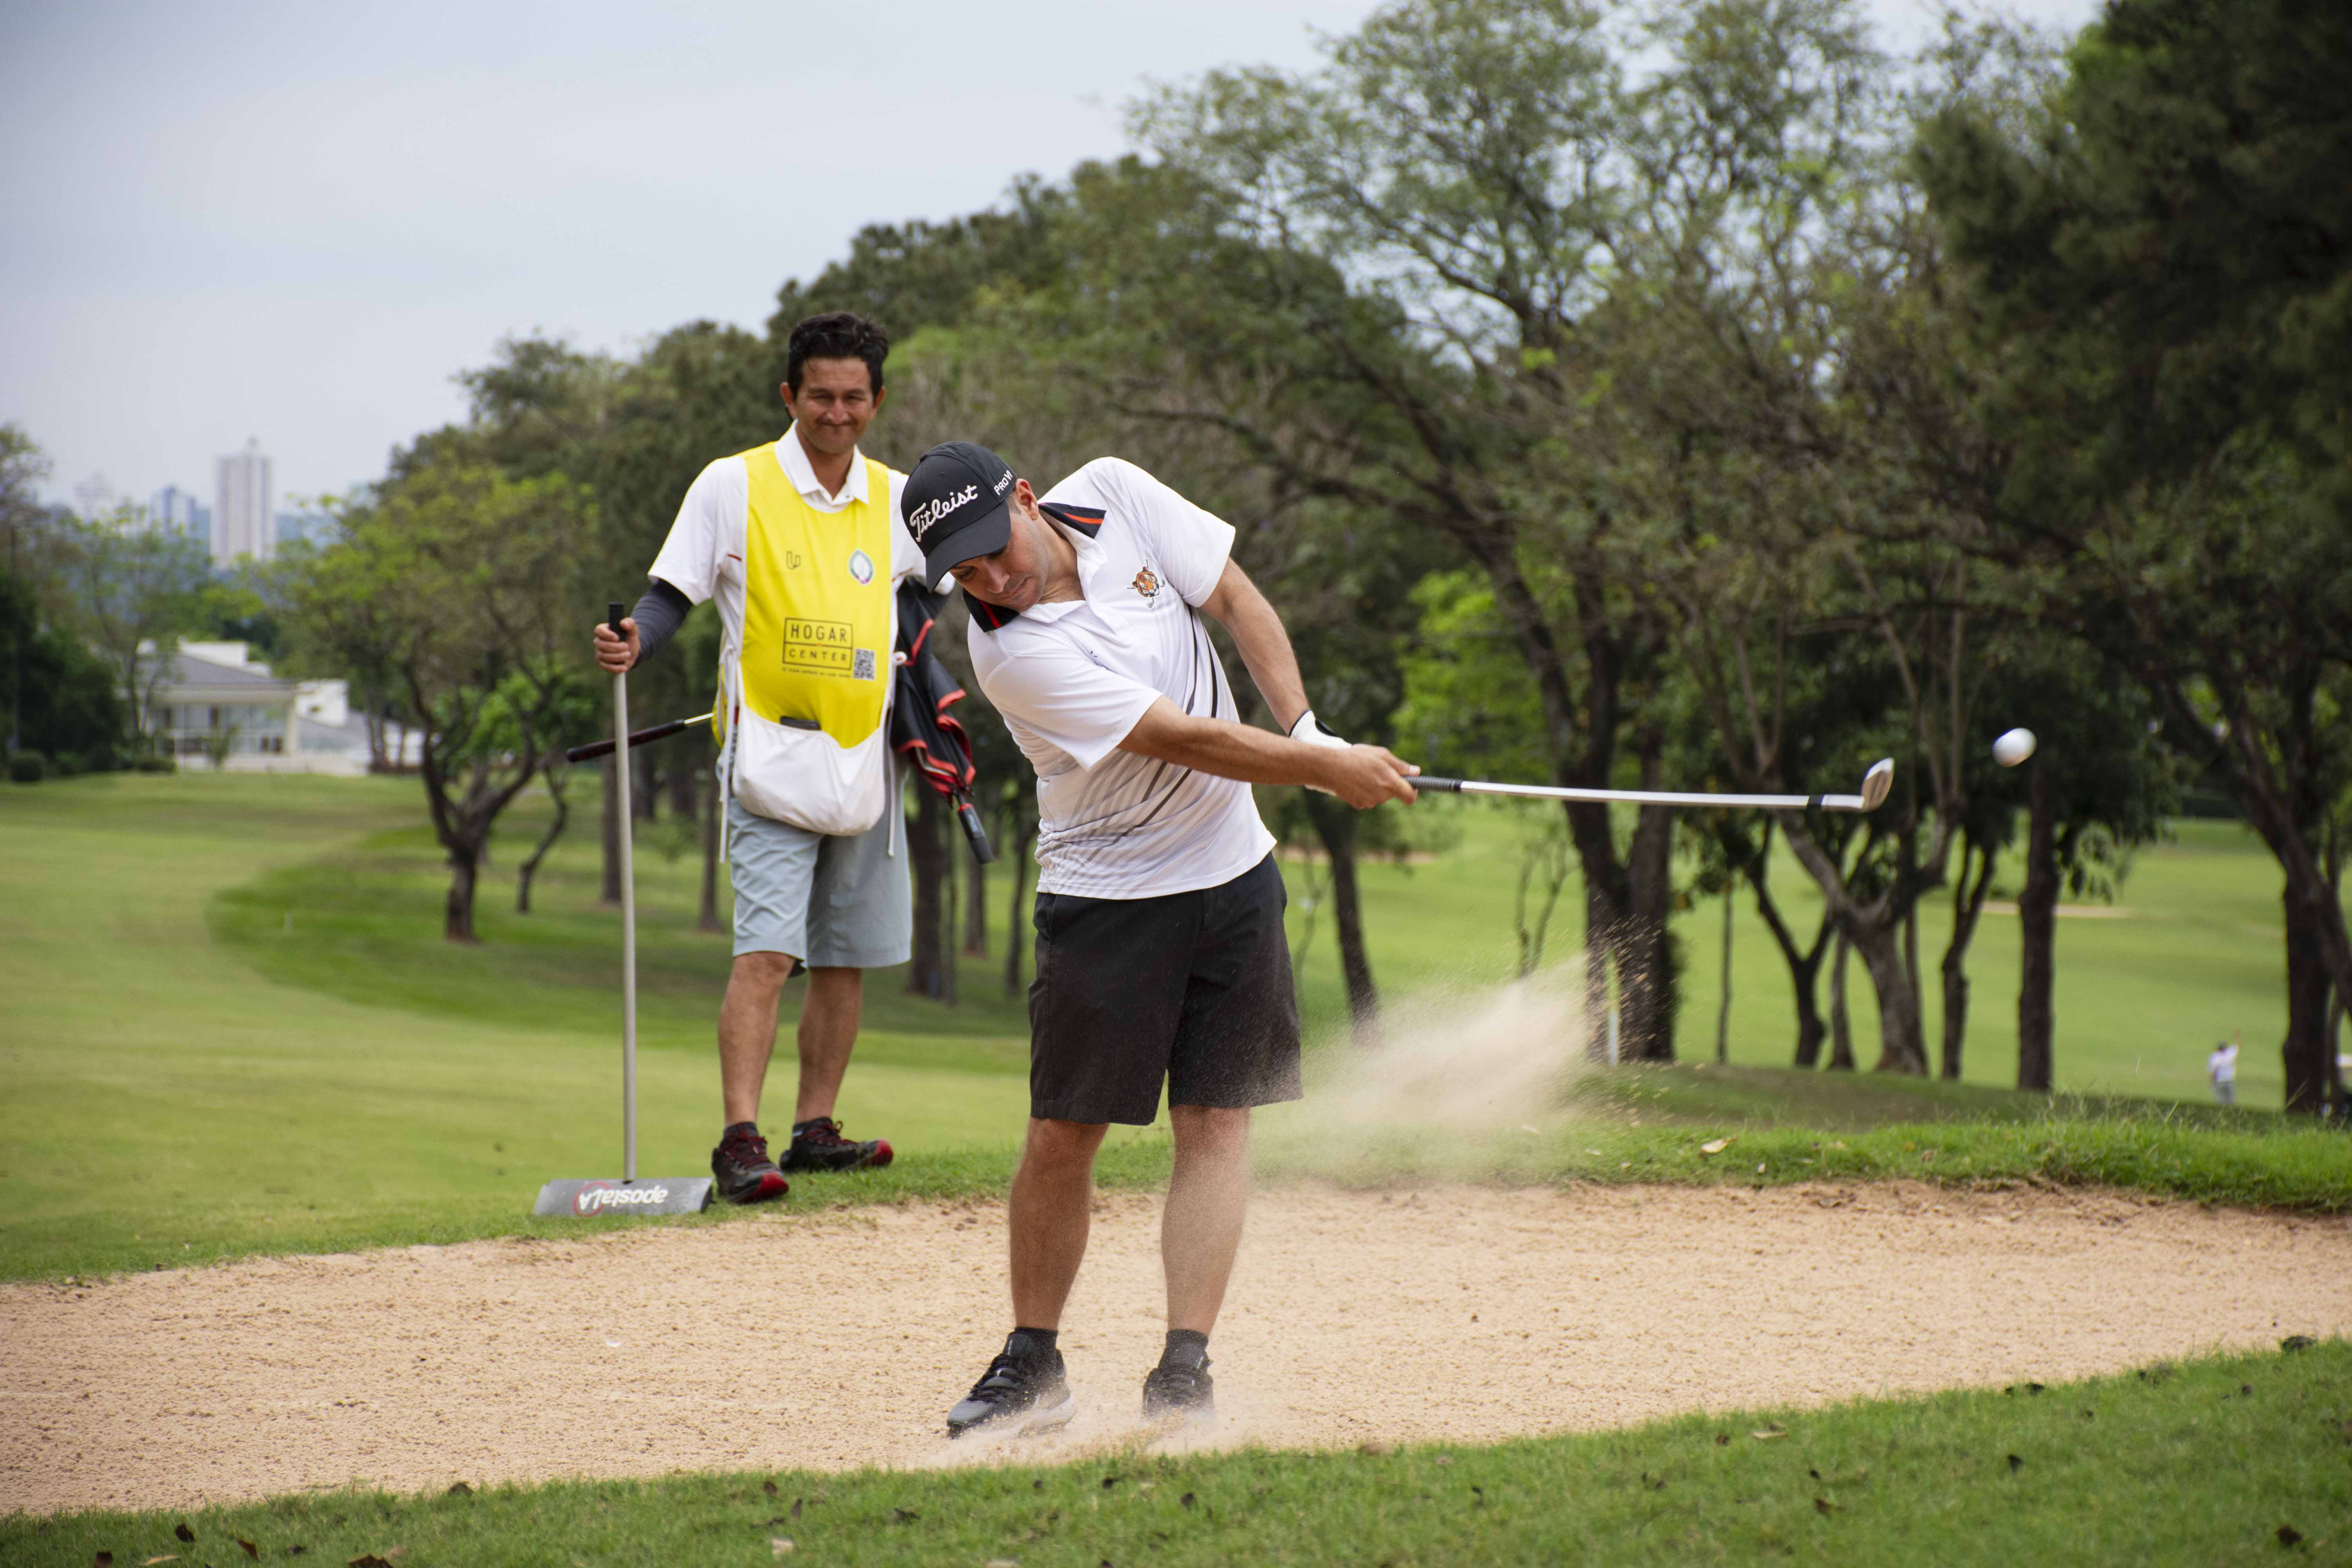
[(837, 334)]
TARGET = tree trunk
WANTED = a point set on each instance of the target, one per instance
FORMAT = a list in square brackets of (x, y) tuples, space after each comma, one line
[(1804, 966), (1597, 921), (2332, 1042), (1648, 982), (1723, 1013), (1902, 1032), (1841, 1022), (685, 780), (975, 906), (2037, 924), (1335, 824), (457, 923), (2304, 1052), (925, 976), (1016, 910), (645, 788), (529, 868), (610, 894), (712, 827), (1968, 904)]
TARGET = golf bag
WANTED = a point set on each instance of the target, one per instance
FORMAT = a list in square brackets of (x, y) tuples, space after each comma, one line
[(921, 730)]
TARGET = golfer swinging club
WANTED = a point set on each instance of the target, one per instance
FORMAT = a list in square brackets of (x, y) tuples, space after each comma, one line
[(1160, 950), (801, 543)]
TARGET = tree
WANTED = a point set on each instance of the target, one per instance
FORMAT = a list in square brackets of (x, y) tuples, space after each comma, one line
[(568, 720), (2158, 248), (463, 582), (133, 591), (66, 703)]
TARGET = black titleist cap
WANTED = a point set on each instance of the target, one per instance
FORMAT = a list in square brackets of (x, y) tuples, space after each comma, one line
[(958, 503)]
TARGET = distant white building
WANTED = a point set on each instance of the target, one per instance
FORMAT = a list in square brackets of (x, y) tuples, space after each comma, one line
[(245, 510), (180, 511), (214, 699)]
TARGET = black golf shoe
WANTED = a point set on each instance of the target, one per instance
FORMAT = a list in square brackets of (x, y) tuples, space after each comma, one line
[(818, 1145), (745, 1174), (1179, 1390), (1023, 1392)]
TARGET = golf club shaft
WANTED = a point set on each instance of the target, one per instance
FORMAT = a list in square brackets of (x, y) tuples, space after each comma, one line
[(629, 922), (595, 749), (1649, 797)]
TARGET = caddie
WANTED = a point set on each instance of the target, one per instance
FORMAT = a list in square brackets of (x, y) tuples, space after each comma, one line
[(800, 541), (1160, 952)]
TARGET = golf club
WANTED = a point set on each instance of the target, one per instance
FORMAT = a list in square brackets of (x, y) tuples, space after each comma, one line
[(675, 1194), (595, 749), (1875, 785)]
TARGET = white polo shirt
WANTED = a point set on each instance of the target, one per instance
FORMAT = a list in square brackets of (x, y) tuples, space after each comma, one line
[(1072, 678)]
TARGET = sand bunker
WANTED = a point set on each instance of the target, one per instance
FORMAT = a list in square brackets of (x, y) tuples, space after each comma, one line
[(1455, 1313)]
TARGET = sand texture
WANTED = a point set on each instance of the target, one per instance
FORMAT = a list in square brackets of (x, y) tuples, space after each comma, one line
[(1457, 1313)]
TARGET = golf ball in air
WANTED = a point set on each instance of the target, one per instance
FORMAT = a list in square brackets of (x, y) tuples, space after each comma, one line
[(2013, 748)]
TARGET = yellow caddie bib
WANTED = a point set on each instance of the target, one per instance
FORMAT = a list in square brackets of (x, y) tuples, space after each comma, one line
[(813, 673)]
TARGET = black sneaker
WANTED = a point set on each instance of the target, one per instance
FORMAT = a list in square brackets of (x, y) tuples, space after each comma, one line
[(745, 1174), (1023, 1392), (1179, 1390), (818, 1145)]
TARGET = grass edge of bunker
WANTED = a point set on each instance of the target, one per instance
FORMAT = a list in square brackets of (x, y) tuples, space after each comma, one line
[(2235, 1457)]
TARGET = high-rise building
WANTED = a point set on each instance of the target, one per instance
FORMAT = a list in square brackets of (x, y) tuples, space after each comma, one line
[(180, 511), (244, 516)]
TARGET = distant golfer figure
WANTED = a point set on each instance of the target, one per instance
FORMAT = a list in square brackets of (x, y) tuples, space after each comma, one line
[(801, 542), (1160, 952), (2222, 1066)]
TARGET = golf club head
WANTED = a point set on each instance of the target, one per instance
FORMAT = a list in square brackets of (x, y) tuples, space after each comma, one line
[(1876, 782)]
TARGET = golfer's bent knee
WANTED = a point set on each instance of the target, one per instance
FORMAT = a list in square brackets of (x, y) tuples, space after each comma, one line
[(1059, 1142)]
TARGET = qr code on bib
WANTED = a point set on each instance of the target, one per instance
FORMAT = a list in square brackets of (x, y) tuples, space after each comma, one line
[(861, 669)]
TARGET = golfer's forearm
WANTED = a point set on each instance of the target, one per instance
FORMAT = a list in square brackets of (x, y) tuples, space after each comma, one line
[(1227, 748), (1240, 610)]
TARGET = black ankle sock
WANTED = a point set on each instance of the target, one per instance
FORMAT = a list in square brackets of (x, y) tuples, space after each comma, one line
[(732, 1128), (1186, 1347), (1041, 1341)]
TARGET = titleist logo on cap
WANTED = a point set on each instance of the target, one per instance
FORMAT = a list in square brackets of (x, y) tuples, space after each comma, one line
[(929, 515)]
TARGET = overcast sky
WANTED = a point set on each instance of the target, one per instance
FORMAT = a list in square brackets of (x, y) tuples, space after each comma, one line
[(297, 221)]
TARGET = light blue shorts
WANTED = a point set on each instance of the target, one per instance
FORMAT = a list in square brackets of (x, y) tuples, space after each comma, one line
[(830, 902)]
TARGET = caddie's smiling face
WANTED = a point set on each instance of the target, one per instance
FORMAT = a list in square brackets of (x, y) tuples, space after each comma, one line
[(1015, 575), (837, 401)]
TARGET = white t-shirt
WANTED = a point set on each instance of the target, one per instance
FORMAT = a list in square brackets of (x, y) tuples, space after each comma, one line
[(1072, 678), (703, 556), (2222, 1064)]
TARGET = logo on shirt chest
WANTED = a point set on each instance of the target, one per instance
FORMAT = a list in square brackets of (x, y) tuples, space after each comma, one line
[(1147, 582), (861, 566)]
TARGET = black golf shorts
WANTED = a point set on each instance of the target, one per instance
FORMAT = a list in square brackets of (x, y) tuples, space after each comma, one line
[(1194, 987)]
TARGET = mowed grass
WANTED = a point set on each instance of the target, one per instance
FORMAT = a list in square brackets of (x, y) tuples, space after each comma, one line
[(2190, 952), (231, 1025), (2241, 1458), (168, 1101)]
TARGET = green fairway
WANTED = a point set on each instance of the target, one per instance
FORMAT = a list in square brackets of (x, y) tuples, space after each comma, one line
[(2235, 1459), (166, 1103), (232, 1025), (2190, 952)]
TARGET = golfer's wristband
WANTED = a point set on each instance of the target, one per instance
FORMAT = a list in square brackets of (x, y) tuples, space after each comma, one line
[(659, 616), (1312, 730)]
